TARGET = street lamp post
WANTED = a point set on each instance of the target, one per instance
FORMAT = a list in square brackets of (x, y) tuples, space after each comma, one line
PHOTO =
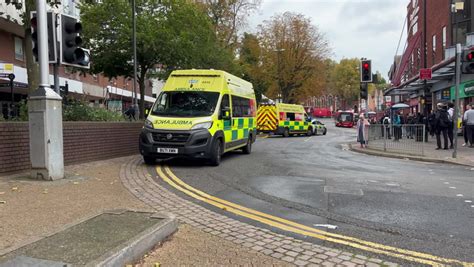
[(134, 37)]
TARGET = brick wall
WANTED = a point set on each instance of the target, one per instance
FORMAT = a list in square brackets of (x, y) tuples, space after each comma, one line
[(14, 147), (83, 142)]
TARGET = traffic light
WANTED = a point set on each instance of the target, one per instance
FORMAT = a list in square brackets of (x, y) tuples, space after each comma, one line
[(52, 40), (363, 90), (467, 59), (71, 52), (366, 71)]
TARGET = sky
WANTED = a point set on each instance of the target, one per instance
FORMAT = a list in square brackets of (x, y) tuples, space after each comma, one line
[(354, 28)]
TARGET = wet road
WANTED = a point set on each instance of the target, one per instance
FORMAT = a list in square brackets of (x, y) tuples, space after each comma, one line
[(405, 204)]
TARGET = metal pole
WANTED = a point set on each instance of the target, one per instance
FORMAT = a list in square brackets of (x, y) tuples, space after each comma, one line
[(456, 99), (56, 77), (134, 37), (42, 44)]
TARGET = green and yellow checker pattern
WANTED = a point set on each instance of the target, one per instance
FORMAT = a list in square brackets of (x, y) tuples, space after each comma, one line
[(295, 126), (239, 130)]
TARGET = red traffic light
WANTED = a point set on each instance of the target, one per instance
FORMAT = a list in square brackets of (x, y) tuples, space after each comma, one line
[(365, 66), (470, 56)]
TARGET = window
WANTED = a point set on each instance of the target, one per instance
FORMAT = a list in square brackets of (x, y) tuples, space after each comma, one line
[(241, 107), (185, 104), (444, 37), (19, 52), (414, 29), (225, 103), (434, 43)]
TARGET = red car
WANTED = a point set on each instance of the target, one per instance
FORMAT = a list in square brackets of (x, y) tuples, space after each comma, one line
[(345, 119)]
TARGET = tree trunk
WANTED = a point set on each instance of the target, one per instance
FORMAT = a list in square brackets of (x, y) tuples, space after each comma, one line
[(32, 67)]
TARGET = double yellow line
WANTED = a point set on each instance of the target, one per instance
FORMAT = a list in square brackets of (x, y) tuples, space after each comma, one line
[(169, 177)]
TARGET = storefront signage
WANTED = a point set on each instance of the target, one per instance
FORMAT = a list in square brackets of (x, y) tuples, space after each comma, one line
[(6, 68), (469, 89), (425, 74)]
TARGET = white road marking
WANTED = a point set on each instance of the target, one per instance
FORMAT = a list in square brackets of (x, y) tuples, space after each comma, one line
[(459, 195), (329, 226), (468, 201), (452, 187), (392, 184), (446, 182), (307, 139)]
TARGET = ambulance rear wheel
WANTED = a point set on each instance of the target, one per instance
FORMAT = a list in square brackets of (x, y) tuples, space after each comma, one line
[(248, 148), (149, 160), (216, 153), (286, 133)]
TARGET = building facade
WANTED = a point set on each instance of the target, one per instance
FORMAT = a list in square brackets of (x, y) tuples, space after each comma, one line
[(433, 29)]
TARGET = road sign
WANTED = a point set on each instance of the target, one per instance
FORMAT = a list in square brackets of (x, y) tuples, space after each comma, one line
[(6, 68), (425, 74)]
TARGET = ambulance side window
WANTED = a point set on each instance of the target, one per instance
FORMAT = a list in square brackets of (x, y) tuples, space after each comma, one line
[(225, 103)]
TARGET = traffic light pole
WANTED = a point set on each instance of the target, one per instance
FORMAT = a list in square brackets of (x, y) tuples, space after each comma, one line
[(45, 114), (456, 99)]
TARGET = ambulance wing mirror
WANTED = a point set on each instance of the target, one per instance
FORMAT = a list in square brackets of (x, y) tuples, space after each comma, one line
[(225, 113), (146, 111)]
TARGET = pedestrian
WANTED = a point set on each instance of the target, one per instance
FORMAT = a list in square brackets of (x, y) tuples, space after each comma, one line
[(469, 119), (410, 127), (386, 126), (362, 131), (397, 127), (432, 122), (130, 112), (451, 123), (464, 128), (442, 125)]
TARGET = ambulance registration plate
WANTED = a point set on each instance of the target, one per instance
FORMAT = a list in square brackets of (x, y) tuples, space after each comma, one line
[(167, 150)]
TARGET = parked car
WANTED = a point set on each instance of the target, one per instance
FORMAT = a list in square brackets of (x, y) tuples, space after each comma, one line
[(318, 127)]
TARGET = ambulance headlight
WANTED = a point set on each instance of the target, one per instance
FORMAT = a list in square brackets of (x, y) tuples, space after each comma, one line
[(148, 124), (202, 125)]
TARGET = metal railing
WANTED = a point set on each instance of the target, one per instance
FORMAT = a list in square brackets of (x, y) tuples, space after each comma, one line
[(405, 139)]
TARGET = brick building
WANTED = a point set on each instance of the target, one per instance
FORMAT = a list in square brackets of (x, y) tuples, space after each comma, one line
[(97, 89), (433, 28)]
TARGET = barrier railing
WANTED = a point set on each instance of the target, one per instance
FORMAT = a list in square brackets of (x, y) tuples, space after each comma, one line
[(406, 139)]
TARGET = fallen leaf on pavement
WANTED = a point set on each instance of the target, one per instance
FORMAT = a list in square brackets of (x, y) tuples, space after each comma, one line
[(3, 202), (1, 193), (76, 183), (14, 188), (157, 264)]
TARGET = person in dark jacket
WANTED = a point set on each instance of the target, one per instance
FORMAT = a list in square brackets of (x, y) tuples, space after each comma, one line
[(441, 125)]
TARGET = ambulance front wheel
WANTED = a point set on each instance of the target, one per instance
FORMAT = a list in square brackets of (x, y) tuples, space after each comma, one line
[(149, 160), (248, 148), (216, 153), (309, 132), (286, 133)]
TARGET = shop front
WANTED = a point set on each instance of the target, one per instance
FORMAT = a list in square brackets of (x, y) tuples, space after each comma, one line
[(466, 94)]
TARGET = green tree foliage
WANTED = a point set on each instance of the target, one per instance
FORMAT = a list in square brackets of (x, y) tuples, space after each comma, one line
[(170, 35), (345, 79), (251, 63)]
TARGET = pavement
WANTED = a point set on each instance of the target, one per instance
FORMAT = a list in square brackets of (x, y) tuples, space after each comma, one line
[(465, 154), (31, 210)]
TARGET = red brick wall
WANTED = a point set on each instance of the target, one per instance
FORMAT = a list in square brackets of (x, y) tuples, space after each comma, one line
[(14, 147), (83, 142)]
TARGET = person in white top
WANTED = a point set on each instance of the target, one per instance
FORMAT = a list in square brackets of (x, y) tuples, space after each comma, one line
[(468, 119), (451, 124)]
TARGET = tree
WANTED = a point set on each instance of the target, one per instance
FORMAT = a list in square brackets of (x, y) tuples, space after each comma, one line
[(251, 63), (172, 34), (228, 17), (293, 54), (345, 79)]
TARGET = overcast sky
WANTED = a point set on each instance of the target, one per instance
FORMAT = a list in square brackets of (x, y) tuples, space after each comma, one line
[(354, 28)]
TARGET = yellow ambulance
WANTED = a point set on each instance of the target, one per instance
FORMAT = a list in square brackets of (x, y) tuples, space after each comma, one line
[(200, 114), (283, 119)]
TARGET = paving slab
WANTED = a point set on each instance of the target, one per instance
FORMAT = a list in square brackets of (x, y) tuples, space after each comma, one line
[(109, 239)]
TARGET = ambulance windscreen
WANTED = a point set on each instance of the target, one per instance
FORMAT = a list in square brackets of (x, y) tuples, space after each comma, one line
[(185, 104)]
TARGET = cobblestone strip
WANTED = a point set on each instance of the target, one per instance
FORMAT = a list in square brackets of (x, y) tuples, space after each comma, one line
[(139, 182)]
